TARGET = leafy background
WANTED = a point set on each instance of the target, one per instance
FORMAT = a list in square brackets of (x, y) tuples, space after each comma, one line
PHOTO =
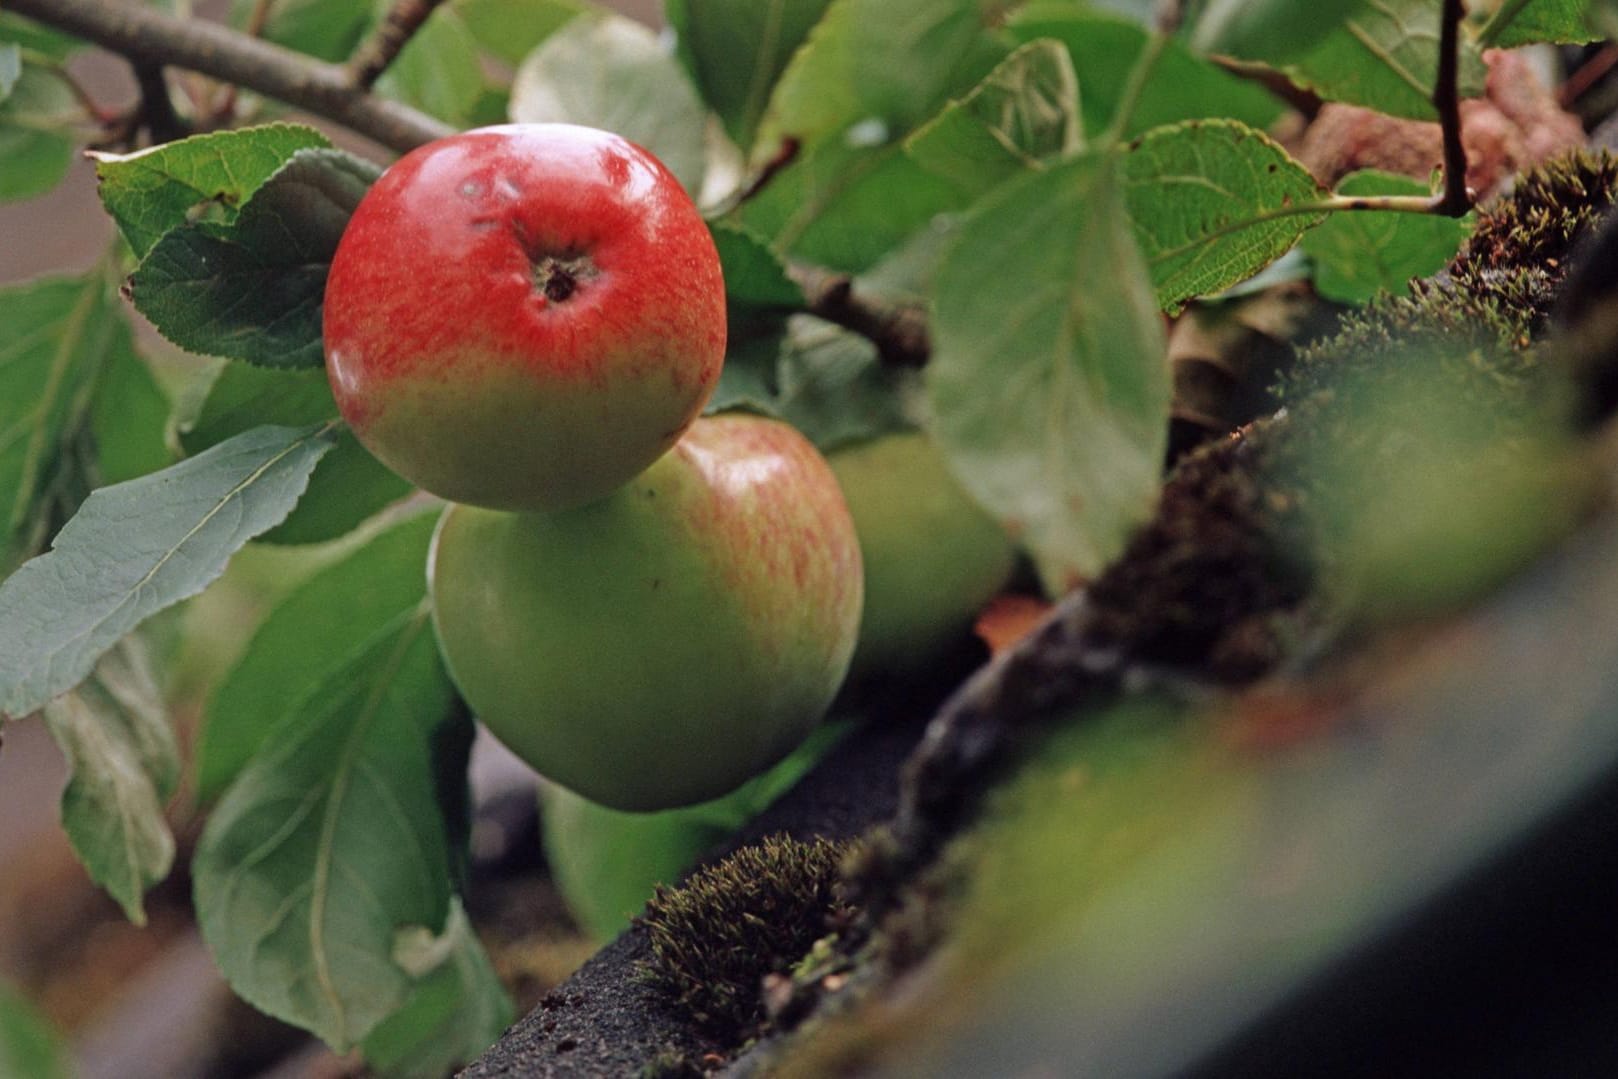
[(897, 103), (63, 233)]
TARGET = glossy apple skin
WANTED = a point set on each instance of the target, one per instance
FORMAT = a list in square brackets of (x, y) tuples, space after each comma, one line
[(525, 316), (661, 646), (932, 556)]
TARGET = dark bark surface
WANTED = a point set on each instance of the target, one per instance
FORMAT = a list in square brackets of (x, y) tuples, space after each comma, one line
[(604, 1020)]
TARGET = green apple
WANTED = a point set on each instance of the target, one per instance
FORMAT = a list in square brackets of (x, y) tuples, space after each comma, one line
[(524, 316), (932, 556), (660, 646), (607, 862)]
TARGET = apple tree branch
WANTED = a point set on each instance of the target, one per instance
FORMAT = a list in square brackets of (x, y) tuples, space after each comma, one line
[(898, 332), (373, 55), (146, 36)]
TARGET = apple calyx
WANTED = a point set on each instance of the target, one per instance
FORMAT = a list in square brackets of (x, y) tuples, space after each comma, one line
[(557, 278)]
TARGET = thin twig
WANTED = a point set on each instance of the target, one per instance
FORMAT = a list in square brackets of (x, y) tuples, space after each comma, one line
[(1168, 17), (1140, 74), (786, 155), (373, 55), (143, 34), (1306, 102), (156, 108), (899, 333), (258, 18), (223, 109), (1395, 204), (98, 112), (1589, 73), (1456, 200)]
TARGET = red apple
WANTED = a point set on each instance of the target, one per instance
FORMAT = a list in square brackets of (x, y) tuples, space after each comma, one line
[(524, 317), (660, 646)]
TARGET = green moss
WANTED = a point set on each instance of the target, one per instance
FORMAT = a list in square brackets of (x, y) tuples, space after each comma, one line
[(755, 913), (1211, 582), (1545, 214), (1104, 795), (1483, 313), (671, 1064), (1427, 437)]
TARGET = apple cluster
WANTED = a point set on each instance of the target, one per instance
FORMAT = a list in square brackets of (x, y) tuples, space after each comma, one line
[(648, 607)]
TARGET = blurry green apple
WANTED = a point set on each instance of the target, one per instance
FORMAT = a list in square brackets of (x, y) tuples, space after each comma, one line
[(932, 557), (606, 862), (663, 645)]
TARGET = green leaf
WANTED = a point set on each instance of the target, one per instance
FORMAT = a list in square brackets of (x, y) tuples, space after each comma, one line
[(1142, 13), (1558, 21), (137, 548), (880, 67), (748, 379), (114, 731), (759, 297), (844, 207), (314, 633), (736, 49), (456, 1011), (853, 195), (754, 275), (1269, 31), (1105, 48), (493, 107), (349, 485), (835, 388), (1359, 254), (1025, 112), (130, 419), (68, 360), (252, 290), (29, 1048), (905, 274), (610, 72), (511, 29), (331, 844), (325, 29), (437, 71), (1048, 386), (1385, 57), (152, 191), (1213, 203), (824, 380), (10, 67), (36, 133), (37, 38)]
